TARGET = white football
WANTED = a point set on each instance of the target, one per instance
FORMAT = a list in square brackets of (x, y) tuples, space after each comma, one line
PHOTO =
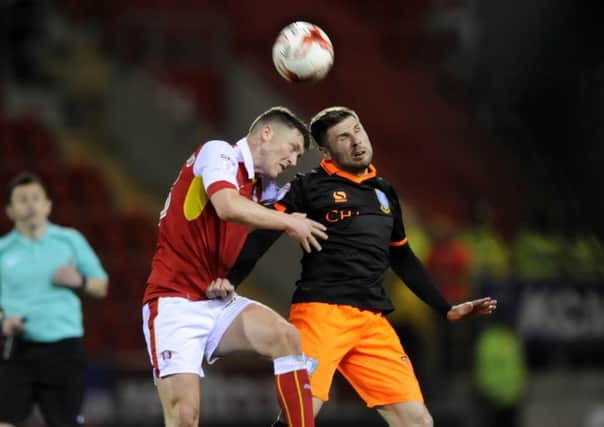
[(303, 52)]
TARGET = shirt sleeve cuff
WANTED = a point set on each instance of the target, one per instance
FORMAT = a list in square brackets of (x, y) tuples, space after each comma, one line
[(219, 185)]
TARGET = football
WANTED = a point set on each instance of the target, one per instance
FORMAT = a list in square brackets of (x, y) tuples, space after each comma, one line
[(303, 52)]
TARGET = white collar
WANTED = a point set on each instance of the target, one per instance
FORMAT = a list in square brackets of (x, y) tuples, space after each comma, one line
[(243, 150)]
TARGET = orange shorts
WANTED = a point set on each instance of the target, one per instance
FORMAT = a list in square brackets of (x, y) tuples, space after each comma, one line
[(362, 346)]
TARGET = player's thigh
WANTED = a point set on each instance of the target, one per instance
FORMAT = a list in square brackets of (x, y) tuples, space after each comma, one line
[(259, 329), (407, 414), (61, 382), (176, 333), (328, 332), (16, 395), (379, 369)]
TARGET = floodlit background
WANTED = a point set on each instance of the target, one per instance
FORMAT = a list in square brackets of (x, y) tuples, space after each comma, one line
[(487, 116)]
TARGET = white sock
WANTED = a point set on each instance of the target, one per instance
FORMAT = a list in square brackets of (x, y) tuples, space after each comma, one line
[(289, 363)]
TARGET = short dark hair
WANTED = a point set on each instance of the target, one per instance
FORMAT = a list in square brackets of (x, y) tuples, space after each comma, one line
[(286, 117), (24, 178), (326, 119)]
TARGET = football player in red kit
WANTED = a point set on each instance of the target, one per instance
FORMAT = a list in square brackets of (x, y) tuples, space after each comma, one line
[(202, 228)]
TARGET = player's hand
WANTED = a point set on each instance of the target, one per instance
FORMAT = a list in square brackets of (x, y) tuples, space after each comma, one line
[(469, 309), (220, 288), (306, 231), (12, 325), (67, 277)]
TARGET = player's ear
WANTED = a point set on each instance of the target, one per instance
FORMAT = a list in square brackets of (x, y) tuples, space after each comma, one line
[(325, 154), (266, 133), (9, 212)]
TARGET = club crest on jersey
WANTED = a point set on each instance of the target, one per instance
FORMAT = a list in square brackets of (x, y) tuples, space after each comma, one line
[(384, 203)]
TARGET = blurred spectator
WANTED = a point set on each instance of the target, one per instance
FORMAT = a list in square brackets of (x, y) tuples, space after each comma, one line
[(536, 255), (449, 262), (490, 256), (500, 374), (45, 270), (585, 258)]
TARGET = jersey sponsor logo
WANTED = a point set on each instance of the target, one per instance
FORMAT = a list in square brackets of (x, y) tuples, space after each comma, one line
[(195, 200), (336, 215), (228, 163), (340, 197), (384, 203)]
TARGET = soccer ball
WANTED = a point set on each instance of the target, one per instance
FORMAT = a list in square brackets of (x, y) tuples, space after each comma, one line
[(302, 52)]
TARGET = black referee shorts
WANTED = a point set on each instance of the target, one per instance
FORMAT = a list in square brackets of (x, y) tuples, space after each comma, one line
[(52, 375)]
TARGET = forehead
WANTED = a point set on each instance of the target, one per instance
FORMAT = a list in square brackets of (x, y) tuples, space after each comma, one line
[(346, 125), (32, 188), (291, 136)]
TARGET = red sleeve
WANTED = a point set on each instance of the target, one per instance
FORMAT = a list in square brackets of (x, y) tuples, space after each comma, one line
[(219, 185)]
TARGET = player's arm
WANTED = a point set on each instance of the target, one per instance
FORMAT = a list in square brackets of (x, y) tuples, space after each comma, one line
[(231, 206), (69, 277), (407, 266), (411, 271), (83, 273), (256, 245), (216, 163)]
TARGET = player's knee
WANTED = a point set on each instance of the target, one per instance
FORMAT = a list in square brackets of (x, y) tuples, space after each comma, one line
[(422, 418), (286, 339), (427, 420), (407, 415), (182, 413)]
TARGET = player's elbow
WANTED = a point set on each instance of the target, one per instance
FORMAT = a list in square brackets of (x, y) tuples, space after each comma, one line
[(226, 212)]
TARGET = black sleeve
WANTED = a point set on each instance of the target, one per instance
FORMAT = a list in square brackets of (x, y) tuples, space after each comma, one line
[(411, 270), (259, 241), (256, 244)]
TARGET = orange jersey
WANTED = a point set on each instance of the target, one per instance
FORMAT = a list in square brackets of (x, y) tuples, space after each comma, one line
[(195, 246)]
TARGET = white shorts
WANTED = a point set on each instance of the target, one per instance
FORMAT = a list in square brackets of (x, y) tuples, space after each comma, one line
[(180, 332)]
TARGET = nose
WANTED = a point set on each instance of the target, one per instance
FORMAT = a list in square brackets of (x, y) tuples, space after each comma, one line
[(292, 160)]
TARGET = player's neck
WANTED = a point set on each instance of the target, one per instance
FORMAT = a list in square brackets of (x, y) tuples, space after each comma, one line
[(33, 232), (354, 171)]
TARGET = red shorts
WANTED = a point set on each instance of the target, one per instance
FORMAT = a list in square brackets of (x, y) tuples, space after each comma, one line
[(362, 346)]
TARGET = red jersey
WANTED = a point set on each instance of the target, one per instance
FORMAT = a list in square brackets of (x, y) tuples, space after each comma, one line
[(195, 246)]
